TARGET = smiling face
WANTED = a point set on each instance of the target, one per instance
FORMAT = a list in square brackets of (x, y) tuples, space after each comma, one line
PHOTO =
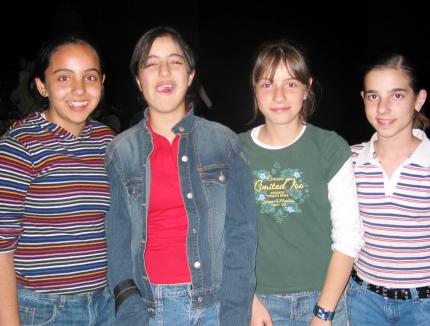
[(73, 83), (390, 102), (163, 78), (280, 100)]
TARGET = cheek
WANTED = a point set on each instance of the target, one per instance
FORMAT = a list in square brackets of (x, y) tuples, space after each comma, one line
[(263, 99), (95, 91)]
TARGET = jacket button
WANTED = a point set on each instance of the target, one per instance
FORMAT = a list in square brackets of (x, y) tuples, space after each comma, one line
[(181, 129), (197, 265), (190, 195), (194, 231), (199, 299), (221, 177), (184, 158)]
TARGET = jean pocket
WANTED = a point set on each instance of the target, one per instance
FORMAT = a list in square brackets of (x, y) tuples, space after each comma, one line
[(37, 313), (353, 288), (425, 303)]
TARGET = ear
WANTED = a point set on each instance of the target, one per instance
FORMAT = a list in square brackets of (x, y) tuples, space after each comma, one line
[(138, 84), (40, 85), (103, 78), (362, 95), (191, 77), (420, 100)]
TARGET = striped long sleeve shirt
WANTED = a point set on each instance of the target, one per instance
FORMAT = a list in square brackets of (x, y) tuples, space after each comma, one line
[(396, 217), (54, 194)]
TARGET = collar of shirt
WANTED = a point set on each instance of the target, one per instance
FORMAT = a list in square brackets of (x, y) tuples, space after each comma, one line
[(420, 156)]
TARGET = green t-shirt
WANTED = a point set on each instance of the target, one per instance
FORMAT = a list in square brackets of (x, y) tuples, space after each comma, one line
[(294, 224)]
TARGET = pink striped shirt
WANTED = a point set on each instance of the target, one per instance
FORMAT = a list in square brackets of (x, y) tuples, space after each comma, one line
[(396, 217)]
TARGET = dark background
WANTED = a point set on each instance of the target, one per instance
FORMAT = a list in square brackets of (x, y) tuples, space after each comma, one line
[(225, 35)]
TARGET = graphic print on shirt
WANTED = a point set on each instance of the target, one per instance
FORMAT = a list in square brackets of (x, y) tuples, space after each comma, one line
[(280, 192)]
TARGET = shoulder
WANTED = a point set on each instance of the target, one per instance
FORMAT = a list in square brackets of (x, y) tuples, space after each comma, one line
[(25, 128), (326, 138), (127, 141), (99, 130)]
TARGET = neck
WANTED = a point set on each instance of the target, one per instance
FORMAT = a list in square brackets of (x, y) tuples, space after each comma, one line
[(162, 123), (74, 128), (396, 147), (280, 135)]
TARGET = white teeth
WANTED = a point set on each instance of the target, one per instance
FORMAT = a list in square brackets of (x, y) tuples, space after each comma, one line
[(165, 87), (76, 104)]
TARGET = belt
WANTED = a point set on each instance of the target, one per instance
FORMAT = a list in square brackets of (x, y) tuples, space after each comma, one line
[(399, 294)]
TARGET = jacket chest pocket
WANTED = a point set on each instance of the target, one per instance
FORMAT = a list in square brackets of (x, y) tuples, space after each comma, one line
[(215, 178), (135, 188)]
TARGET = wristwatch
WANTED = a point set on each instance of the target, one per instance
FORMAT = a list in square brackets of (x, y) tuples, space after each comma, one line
[(322, 313)]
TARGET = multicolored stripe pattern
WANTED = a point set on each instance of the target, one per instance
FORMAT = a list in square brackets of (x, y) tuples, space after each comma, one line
[(396, 219), (54, 194)]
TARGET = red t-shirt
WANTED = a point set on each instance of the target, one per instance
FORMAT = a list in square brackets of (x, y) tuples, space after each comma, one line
[(166, 248)]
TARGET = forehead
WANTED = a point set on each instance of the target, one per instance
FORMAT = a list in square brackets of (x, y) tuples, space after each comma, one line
[(279, 69), (387, 78), (164, 45), (74, 54)]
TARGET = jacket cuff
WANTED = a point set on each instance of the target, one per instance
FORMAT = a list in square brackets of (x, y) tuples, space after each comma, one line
[(123, 291)]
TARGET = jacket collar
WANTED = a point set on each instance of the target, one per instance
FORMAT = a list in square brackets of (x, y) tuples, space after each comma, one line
[(184, 126)]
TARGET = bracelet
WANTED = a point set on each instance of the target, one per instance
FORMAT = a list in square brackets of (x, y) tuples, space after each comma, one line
[(322, 313)]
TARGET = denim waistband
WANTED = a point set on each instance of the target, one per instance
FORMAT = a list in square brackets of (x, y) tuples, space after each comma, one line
[(393, 293), (86, 296)]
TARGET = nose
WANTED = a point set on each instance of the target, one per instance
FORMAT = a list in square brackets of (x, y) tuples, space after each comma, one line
[(382, 106), (278, 94), (164, 69), (78, 87)]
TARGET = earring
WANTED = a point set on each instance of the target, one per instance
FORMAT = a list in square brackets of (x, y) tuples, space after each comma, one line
[(305, 97), (44, 93)]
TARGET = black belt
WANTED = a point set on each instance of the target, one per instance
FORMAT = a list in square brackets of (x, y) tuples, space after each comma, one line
[(399, 294)]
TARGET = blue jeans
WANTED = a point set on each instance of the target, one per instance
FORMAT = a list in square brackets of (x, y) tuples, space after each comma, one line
[(173, 308), (368, 308), (296, 309), (85, 309)]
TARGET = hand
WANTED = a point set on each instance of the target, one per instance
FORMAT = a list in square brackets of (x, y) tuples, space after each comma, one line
[(260, 315), (315, 321)]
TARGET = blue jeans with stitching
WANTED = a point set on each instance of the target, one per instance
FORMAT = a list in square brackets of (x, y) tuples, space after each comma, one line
[(368, 308), (296, 309), (173, 308), (85, 309)]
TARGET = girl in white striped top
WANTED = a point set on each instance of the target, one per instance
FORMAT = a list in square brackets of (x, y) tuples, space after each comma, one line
[(390, 283)]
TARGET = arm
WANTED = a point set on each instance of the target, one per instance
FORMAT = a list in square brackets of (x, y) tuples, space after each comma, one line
[(132, 310), (15, 176), (8, 294), (347, 234), (238, 280)]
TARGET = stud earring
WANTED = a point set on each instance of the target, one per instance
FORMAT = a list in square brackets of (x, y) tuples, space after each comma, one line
[(305, 97), (44, 93)]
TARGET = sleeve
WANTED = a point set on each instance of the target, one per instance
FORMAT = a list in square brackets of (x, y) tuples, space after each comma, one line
[(347, 229), (335, 153), (129, 306), (15, 177), (238, 281)]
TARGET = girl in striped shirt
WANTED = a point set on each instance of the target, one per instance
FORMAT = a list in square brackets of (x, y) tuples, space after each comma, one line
[(54, 194), (390, 283)]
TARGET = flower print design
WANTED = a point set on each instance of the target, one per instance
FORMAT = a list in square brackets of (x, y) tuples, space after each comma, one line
[(280, 192)]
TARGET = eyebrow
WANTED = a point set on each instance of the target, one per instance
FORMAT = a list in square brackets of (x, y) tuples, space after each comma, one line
[(390, 91), (69, 70), (169, 56)]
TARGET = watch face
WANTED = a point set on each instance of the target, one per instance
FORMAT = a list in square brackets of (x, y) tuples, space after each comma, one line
[(323, 314)]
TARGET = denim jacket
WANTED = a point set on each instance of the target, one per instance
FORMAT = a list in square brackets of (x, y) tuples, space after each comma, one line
[(217, 190)]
